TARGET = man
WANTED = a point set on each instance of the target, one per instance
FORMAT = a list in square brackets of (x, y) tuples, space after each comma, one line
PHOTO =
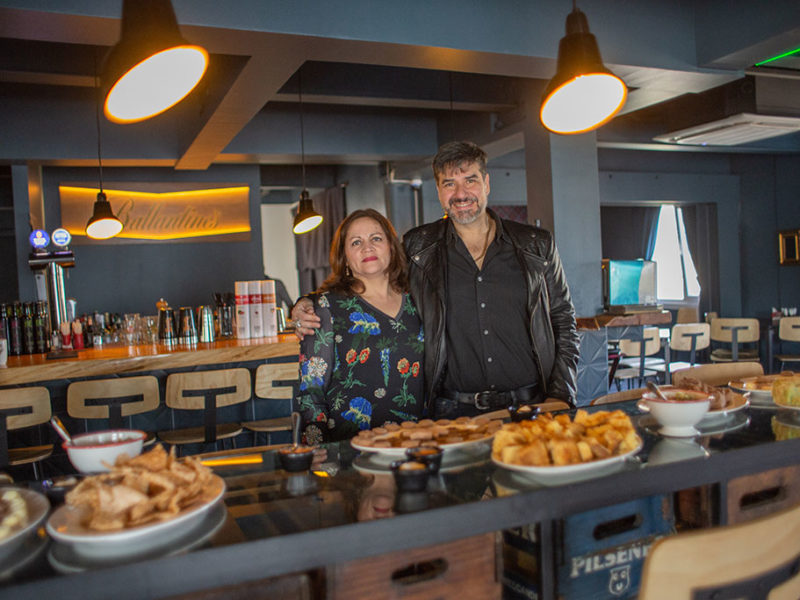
[(498, 319)]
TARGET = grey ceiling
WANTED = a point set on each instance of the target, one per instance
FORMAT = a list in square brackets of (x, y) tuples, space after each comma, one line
[(459, 69)]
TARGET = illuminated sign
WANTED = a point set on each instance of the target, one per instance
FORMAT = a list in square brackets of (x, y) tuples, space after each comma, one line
[(61, 237), (39, 239), (218, 214)]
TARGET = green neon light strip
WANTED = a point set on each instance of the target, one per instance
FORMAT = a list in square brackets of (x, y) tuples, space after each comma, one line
[(763, 62)]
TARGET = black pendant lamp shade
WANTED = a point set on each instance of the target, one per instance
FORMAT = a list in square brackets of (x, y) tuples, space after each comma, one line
[(152, 67), (583, 94), (306, 218), (103, 224)]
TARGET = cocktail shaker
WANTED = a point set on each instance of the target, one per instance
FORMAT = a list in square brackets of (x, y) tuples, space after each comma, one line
[(166, 326), (187, 330), (205, 317)]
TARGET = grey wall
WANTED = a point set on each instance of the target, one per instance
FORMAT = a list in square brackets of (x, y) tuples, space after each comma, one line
[(132, 277)]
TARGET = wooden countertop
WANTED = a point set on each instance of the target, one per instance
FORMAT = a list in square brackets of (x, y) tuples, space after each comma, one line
[(111, 360), (656, 317)]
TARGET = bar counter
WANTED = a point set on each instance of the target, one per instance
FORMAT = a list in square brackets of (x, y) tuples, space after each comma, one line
[(278, 523), (118, 359)]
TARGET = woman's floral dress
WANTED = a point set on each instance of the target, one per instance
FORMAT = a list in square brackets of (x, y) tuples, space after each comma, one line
[(361, 369)]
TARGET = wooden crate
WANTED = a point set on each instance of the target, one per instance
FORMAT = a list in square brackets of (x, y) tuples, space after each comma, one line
[(465, 569), (760, 494)]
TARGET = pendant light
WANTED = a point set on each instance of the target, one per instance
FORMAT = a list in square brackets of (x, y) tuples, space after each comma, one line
[(306, 218), (152, 67), (103, 224), (583, 94)]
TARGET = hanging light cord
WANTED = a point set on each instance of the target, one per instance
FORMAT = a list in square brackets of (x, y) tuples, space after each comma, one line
[(97, 119), (302, 142)]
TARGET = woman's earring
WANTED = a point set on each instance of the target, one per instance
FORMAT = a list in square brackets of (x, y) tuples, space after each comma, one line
[(347, 270)]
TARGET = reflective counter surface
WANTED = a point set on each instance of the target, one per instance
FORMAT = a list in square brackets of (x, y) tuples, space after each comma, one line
[(273, 522)]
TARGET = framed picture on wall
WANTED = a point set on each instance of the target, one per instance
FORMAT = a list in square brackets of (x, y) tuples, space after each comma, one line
[(789, 247)]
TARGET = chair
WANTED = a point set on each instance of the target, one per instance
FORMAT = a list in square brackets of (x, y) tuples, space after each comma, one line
[(747, 560), (21, 408), (685, 337), (206, 391), (266, 377), (788, 331), (113, 400), (631, 394), (630, 348), (719, 373), (734, 332)]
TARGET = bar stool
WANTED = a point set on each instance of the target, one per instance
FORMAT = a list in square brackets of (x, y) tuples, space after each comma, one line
[(649, 346), (267, 376), (685, 337), (788, 331), (113, 400), (22, 408), (734, 332), (206, 391)]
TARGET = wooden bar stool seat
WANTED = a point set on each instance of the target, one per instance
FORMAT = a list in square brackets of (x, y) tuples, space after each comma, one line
[(206, 391), (719, 373), (22, 408), (266, 388), (113, 400)]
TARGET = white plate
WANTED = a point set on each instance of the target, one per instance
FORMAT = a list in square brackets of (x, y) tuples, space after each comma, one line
[(452, 461), (736, 421), (64, 559), (65, 526), (758, 398), (740, 402), (38, 506), (391, 454), (568, 473)]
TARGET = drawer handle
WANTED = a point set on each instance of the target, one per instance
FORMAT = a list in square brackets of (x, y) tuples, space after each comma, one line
[(420, 572), (617, 526), (762, 497)]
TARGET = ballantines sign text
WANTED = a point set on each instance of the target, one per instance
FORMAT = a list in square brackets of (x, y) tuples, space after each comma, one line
[(219, 214)]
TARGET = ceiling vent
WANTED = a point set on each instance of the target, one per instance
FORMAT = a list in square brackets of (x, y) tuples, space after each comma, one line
[(746, 111), (738, 129)]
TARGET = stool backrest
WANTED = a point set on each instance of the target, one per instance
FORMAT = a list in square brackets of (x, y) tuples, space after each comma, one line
[(25, 407), (747, 560), (269, 374), (652, 343), (789, 329), (140, 395), (747, 330), (718, 373), (682, 334), (687, 314), (619, 396), (233, 386)]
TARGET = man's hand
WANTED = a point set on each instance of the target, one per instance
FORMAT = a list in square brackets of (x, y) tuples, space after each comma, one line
[(304, 318)]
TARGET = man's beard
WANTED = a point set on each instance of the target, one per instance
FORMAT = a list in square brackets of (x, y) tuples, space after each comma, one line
[(462, 217)]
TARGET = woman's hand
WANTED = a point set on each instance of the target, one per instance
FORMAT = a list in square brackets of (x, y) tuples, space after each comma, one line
[(304, 318)]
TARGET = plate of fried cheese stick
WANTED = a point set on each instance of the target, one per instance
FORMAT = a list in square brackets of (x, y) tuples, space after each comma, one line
[(553, 448)]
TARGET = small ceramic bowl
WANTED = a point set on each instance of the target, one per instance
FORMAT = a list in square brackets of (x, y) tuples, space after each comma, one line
[(430, 455), (681, 411), (96, 452), (296, 459), (411, 475)]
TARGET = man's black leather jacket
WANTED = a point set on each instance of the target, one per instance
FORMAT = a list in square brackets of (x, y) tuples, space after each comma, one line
[(552, 317)]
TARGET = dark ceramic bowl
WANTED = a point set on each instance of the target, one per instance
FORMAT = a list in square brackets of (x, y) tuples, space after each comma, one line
[(430, 455), (523, 412), (296, 459), (411, 475)]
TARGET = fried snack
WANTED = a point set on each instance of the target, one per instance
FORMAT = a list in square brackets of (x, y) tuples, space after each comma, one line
[(559, 441), (412, 434), (13, 512), (722, 397), (153, 486)]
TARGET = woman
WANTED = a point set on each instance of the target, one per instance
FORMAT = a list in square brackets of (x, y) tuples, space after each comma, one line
[(361, 369)]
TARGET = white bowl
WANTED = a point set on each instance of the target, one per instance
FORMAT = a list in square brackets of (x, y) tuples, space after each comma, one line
[(96, 452), (678, 415)]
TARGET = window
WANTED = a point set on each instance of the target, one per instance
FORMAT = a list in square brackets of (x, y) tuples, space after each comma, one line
[(677, 277)]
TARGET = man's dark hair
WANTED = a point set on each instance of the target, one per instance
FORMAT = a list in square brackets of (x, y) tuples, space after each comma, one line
[(453, 154)]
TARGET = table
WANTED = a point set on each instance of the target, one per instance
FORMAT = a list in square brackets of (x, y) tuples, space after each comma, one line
[(278, 523)]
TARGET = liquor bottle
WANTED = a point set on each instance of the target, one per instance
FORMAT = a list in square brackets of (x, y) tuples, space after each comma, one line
[(40, 329), (88, 331), (4, 321), (15, 329), (28, 335)]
